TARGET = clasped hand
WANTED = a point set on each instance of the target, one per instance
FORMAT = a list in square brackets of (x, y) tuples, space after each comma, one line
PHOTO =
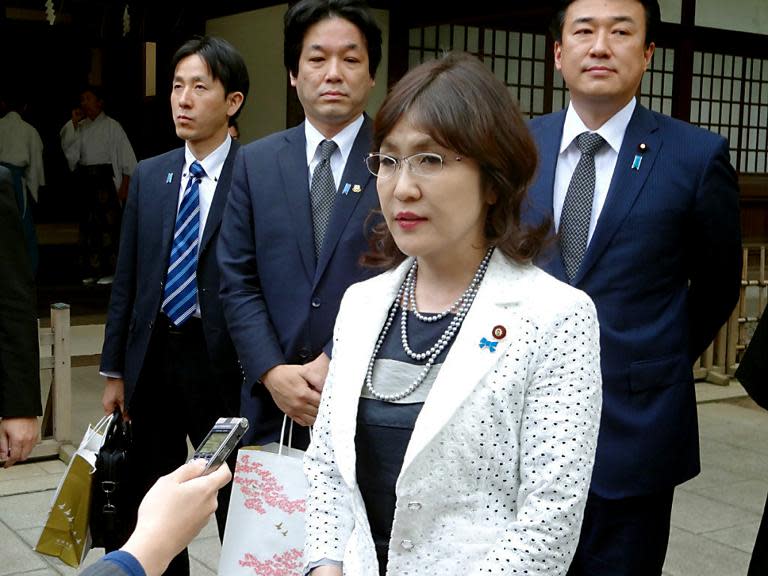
[(296, 388)]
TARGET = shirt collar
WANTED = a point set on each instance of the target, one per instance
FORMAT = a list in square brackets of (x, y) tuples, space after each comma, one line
[(344, 139), (612, 131), (213, 163)]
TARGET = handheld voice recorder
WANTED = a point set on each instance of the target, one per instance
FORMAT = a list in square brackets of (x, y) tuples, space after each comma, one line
[(220, 441)]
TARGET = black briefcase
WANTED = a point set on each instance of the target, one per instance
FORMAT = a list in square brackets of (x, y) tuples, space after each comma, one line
[(111, 513)]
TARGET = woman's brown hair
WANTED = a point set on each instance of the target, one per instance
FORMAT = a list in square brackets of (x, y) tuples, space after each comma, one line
[(462, 106)]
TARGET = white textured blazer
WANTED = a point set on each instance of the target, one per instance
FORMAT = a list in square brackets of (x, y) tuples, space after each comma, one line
[(496, 473)]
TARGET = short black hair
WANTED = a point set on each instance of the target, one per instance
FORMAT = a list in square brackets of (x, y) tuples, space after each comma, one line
[(652, 19), (224, 61), (97, 91), (302, 15)]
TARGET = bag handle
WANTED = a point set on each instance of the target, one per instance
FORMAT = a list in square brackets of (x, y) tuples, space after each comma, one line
[(290, 435)]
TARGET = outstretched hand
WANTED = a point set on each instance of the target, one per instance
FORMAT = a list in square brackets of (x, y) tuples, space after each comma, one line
[(173, 512)]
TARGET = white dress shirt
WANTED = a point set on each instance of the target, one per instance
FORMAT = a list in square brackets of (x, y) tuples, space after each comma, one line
[(344, 141), (98, 141), (605, 160)]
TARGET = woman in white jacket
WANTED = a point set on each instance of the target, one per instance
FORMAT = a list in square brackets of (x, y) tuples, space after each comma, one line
[(459, 418)]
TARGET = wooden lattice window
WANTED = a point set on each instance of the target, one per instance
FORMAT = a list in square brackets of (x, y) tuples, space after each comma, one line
[(656, 86), (516, 58), (729, 95)]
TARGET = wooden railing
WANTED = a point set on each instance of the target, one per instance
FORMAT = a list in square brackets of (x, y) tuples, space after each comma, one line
[(720, 360), (56, 384)]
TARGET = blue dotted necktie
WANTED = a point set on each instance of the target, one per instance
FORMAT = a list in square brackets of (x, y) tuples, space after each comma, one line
[(577, 207), (323, 193), (180, 293)]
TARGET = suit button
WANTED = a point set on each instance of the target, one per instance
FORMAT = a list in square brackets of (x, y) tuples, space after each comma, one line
[(304, 353), (407, 545), (415, 506), (151, 324), (315, 302), (205, 290), (162, 285)]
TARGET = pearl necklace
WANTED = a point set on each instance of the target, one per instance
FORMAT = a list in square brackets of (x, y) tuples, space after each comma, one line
[(406, 299)]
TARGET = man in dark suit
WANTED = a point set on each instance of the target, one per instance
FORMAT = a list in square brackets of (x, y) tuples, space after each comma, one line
[(753, 375), (294, 227), (19, 354), (648, 226), (168, 358)]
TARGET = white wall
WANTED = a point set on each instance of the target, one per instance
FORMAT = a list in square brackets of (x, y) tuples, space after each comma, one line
[(738, 15), (671, 11), (258, 35)]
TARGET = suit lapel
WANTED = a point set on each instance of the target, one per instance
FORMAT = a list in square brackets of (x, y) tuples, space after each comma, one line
[(219, 201), (292, 160), (467, 363), (625, 184), (355, 177), (169, 197), (548, 133)]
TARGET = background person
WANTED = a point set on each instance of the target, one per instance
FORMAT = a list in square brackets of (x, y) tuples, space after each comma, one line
[(169, 361), (459, 419), (21, 151), (294, 228), (645, 207), (99, 153)]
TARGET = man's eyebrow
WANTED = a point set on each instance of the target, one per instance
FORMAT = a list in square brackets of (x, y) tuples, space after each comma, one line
[(349, 46), (591, 19)]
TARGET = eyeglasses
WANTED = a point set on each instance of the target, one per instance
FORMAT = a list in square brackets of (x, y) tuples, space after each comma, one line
[(384, 166)]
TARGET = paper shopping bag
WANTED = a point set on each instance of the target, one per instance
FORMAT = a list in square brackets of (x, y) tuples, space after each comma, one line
[(65, 534), (264, 535)]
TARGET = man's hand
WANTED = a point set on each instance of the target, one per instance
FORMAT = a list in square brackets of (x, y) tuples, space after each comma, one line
[(292, 393), (114, 396), (77, 116), (315, 372), (122, 192), (17, 438), (173, 512)]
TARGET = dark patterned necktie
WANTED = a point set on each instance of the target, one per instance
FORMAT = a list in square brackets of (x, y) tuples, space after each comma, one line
[(577, 207), (180, 292), (323, 193)]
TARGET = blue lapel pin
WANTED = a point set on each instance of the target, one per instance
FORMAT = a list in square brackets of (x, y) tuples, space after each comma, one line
[(490, 344), (642, 148), (169, 178), (346, 188)]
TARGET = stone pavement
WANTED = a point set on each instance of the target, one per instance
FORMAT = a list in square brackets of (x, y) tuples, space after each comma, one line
[(714, 520)]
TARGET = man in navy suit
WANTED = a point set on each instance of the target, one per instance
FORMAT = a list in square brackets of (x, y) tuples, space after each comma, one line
[(659, 255), (167, 355), (285, 263)]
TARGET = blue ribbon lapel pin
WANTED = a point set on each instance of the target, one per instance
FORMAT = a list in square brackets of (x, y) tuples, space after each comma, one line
[(490, 344)]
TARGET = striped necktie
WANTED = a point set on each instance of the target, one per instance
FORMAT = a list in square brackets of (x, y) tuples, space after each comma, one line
[(180, 293)]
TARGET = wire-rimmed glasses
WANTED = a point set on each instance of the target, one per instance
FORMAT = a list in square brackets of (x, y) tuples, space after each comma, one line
[(384, 166)]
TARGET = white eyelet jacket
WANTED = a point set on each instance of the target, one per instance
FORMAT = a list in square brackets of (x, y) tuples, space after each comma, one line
[(496, 473)]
